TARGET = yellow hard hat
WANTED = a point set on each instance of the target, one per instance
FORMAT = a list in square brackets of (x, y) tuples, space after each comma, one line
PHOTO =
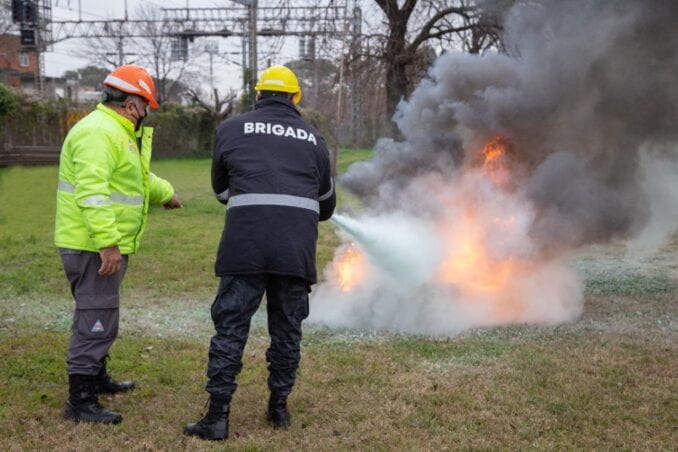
[(280, 78)]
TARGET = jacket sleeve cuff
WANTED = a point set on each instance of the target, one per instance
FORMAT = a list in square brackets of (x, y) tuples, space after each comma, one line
[(169, 197), (106, 240), (161, 191)]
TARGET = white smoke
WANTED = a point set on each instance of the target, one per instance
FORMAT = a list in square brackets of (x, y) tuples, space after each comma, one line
[(587, 102), (549, 295), (660, 182), (402, 289), (404, 248)]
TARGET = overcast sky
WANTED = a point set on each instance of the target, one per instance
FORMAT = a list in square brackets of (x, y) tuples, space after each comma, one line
[(226, 75)]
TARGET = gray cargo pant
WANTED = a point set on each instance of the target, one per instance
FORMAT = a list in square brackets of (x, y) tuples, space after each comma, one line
[(95, 320)]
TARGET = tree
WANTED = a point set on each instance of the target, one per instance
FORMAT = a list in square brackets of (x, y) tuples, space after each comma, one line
[(88, 76), (155, 51), (179, 90), (108, 51), (6, 23), (221, 109), (318, 79), (8, 101), (415, 23)]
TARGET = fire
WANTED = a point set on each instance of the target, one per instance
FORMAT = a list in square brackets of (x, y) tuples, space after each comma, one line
[(464, 257), (495, 165), (470, 234), (467, 262), (350, 268), (493, 150), (469, 265), (470, 260)]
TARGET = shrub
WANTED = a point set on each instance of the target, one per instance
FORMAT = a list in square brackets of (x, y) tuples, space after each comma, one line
[(181, 132), (8, 101)]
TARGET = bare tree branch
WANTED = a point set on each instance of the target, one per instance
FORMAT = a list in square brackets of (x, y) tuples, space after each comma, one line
[(6, 23), (425, 32), (409, 27), (217, 110)]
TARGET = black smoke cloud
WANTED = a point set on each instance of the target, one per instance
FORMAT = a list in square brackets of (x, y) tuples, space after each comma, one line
[(586, 88)]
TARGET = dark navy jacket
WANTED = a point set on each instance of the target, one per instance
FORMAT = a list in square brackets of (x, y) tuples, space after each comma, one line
[(272, 169)]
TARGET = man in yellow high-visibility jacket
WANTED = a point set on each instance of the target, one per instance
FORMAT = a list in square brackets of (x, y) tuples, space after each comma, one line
[(104, 190)]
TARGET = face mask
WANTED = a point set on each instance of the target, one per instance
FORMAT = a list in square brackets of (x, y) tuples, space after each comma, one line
[(138, 116)]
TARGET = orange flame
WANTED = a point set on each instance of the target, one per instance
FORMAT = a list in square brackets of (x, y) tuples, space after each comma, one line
[(350, 268), (467, 263), (495, 165)]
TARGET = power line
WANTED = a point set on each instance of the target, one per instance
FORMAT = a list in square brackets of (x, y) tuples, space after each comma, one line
[(247, 21), (80, 11)]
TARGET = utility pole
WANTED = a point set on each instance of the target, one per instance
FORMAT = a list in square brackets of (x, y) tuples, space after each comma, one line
[(253, 49), (248, 21), (121, 53), (119, 57), (334, 157), (252, 6), (245, 52), (211, 48), (356, 31)]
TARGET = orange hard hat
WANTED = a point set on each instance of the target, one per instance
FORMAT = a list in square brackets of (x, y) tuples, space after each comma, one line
[(133, 79)]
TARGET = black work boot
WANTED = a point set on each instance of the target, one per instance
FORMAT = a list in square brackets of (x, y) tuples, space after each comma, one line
[(107, 385), (277, 412), (214, 425), (83, 405)]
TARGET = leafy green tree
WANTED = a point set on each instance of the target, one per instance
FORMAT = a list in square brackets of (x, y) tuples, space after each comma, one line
[(8, 101)]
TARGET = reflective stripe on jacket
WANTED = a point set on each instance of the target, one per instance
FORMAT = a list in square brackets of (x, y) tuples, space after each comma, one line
[(105, 184)]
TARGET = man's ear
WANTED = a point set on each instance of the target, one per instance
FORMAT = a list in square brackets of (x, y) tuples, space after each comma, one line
[(258, 96), (127, 102)]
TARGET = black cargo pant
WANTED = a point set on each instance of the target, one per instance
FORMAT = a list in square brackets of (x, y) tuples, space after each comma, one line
[(96, 316), (236, 302)]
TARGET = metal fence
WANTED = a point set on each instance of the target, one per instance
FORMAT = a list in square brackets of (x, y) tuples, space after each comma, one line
[(29, 155)]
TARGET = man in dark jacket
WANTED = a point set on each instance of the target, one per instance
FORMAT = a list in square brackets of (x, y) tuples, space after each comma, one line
[(272, 169)]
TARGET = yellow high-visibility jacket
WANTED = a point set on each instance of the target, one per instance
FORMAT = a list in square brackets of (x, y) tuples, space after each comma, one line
[(105, 184)]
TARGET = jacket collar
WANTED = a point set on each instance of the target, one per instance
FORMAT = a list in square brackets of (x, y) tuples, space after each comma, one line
[(120, 119), (280, 102)]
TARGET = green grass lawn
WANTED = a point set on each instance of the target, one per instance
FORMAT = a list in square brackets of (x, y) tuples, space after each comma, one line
[(605, 381)]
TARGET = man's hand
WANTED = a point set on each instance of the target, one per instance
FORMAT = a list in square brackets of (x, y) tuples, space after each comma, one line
[(174, 203), (111, 260)]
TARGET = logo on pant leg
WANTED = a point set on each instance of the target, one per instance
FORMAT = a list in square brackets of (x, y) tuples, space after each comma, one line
[(98, 327)]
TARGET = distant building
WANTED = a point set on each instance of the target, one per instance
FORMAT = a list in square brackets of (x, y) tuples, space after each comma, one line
[(18, 64), (71, 90)]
